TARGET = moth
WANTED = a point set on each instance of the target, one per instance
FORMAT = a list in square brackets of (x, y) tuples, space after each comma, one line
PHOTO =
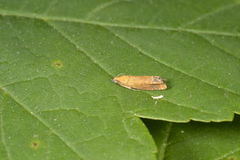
[(141, 82)]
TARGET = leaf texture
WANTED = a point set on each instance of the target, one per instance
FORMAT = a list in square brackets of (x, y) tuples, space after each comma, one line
[(57, 60)]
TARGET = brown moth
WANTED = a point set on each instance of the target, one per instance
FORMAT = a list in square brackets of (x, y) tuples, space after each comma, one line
[(141, 82)]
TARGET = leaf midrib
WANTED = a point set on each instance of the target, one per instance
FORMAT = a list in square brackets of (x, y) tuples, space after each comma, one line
[(83, 21)]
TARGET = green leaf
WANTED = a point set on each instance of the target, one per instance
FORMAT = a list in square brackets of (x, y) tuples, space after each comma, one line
[(102, 133), (57, 59), (195, 140)]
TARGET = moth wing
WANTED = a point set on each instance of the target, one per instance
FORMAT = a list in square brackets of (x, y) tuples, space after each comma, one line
[(150, 87)]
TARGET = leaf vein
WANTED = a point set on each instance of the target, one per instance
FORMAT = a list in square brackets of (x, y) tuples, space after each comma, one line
[(51, 4), (96, 63), (211, 13), (102, 7), (43, 122), (78, 48), (77, 20), (228, 154), (220, 48), (3, 137), (93, 60), (163, 147), (167, 65)]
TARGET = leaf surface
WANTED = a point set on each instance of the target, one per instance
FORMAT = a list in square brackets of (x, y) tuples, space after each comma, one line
[(196, 140), (58, 58)]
